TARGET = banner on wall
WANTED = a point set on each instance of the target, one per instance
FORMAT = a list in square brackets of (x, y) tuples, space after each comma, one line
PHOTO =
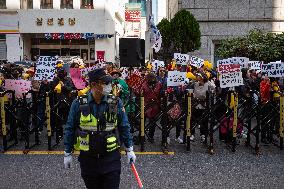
[(101, 56), (132, 15), (132, 19), (77, 36)]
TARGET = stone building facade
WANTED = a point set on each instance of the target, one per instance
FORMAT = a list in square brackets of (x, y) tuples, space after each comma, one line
[(220, 19), (85, 28)]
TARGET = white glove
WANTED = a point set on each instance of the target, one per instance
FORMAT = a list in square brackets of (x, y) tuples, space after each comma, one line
[(67, 160), (130, 154)]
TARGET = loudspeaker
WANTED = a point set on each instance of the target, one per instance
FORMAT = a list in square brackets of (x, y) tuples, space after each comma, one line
[(131, 52)]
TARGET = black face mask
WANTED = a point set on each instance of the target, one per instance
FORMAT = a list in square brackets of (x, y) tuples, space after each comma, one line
[(152, 83), (61, 75)]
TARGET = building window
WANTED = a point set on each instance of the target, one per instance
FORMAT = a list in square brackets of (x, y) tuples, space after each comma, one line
[(134, 1), (87, 4), (2, 4), (46, 4), (66, 4), (217, 44), (26, 4)]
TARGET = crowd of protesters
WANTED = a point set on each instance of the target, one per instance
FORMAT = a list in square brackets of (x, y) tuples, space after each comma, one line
[(152, 84)]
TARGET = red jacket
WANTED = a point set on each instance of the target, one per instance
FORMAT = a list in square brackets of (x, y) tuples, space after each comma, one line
[(152, 95), (265, 91)]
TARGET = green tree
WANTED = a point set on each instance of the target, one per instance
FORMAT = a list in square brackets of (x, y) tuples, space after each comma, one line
[(257, 45), (185, 32), (164, 27)]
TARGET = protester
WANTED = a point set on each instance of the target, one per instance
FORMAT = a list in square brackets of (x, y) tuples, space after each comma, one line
[(201, 87), (91, 121), (151, 89)]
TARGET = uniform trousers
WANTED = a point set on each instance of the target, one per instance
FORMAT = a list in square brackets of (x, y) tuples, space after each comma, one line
[(100, 172)]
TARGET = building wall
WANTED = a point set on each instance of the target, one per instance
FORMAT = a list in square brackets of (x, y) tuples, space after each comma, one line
[(9, 27), (14, 47), (172, 8), (93, 21), (162, 10), (219, 19), (107, 17)]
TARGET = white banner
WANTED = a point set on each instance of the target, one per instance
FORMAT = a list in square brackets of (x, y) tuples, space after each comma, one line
[(181, 58), (124, 72), (224, 61), (243, 61), (273, 69), (158, 43), (85, 71), (197, 62), (157, 64), (255, 65), (231, 80), (45, 68), (176, 78), (230, 73)]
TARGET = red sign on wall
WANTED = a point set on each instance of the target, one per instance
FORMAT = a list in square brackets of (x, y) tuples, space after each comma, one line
[(101, 56), (133, 15)]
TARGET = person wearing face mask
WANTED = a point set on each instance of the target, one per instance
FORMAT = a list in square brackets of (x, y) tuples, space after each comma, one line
[(200, 88), (96, 124), (121, 85), (161, 77), (151, 90)]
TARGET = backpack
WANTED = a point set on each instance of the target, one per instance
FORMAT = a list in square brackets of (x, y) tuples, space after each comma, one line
[(175, 111), (224, 127)]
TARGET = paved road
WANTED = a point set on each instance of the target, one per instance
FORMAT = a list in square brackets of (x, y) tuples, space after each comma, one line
[(195, 169)]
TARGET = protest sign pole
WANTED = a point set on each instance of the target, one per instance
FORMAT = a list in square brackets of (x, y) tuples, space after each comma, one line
[(258, 122), (211, 122), (164, 124), (3, 121), (25, 123), (47, 112), (251, 103), (188, 121), (281, 133), (235, 122), (142, 129)]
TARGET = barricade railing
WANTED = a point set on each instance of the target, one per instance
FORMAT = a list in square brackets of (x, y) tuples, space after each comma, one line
[(31, 109), (133, 112), (268, 117), (249, 109), (54, 119)]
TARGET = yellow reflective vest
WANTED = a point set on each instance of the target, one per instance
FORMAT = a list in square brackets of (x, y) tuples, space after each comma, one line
[(89, 124)]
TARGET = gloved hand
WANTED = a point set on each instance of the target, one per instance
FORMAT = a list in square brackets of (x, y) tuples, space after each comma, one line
[(67, 160), (130, 154)]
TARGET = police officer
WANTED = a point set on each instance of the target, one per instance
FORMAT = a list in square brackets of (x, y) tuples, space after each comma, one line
[(96, 124)]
